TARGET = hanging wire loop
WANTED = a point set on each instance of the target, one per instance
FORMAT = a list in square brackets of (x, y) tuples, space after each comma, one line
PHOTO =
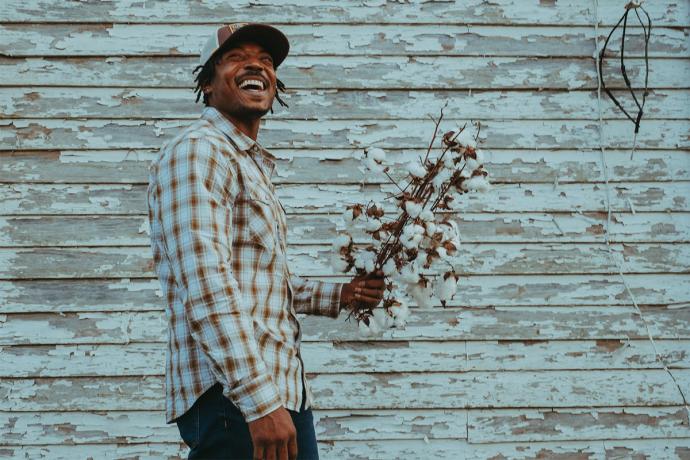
[(631, 6)]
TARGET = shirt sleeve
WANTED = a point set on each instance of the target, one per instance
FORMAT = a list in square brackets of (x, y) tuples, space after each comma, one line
[(316, 297), (197, 184)]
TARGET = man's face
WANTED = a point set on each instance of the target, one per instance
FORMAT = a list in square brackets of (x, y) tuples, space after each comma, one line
[(244, 85)]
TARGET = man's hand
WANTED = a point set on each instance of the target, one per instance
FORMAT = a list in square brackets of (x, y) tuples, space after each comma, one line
[(274, 436), (367, 290)]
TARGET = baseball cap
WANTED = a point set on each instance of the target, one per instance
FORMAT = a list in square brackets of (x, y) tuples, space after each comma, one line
[(273, 40)]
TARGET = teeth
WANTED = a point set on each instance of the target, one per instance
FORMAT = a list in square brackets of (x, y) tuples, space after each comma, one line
[(246, 83)]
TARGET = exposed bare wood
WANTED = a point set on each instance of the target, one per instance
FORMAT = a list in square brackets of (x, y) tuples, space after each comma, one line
[(378, 391), (512, 12), (475, 291), (341, 39), (333, 104), (17, 428), (446, 449), (361, 357), (356, 72), (56, 199), (145, 134), (338, 166), (510, 323), (641, 227), (312, 260), (571, 424), (76, 428)]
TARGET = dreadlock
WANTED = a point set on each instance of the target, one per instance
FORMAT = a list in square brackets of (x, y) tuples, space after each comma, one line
[(204, 76)]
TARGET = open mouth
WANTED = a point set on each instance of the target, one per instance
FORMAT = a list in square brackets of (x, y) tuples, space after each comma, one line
[(252, 85)]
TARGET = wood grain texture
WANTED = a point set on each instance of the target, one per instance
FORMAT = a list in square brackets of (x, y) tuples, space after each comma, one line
[(447, 390), (142, 134), (541, 354), (331, 39), (333, 104), (363, 357), (312, 260), (652, 449), (338, 166), (321, 229), (512, 12), (354, 72), (78, 428), (478, 291), (125, 199), (450, 324)]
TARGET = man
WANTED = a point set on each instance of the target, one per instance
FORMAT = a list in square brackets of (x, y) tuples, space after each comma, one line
[(235, 380)]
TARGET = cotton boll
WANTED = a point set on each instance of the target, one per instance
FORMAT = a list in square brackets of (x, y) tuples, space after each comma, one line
[(413, 209), (365, 260), (442, 176), (348, 217), (471, 163), (374, 328), (372, 225), (341, 241), (338, 263), (409, 243), (418, 229), (449, 160), (446, 288), (389, 267), (416, 169), (382, 319), (364, 330), (377, 154), (442, 253), (422, 295), (409, 273), (372, 165), (477, 183), (430, 228), (467, 139), (427, 215), (480, 156)]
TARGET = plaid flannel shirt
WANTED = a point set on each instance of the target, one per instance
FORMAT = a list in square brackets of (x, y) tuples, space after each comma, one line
[(218, 237)]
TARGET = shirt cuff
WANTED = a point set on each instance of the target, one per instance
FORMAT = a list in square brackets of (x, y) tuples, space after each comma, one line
[(255, 398), (325, 299)]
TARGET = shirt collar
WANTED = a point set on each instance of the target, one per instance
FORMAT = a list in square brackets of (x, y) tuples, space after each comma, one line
[(237, 137)]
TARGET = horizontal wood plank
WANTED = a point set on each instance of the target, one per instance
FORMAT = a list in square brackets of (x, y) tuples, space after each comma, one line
[(572, 424), (337, 166), (313, 260), (518, 134), (78, 428), (476, 291), (334, 104), (511, 323), (57, 199), (512, 12), (356, 72), (446, 449), (360, 357), (341, 39), (55, 428), (427, 390), (107, 231)]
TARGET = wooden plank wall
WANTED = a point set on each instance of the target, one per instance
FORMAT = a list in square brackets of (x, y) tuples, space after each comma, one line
[(541, 354)]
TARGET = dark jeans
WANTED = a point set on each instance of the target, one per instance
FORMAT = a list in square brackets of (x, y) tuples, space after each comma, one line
[(215, 428)]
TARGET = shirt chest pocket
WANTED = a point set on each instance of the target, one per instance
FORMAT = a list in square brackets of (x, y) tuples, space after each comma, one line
[(262, 220)]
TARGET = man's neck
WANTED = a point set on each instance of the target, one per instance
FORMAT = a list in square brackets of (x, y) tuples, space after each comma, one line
[(248, 126)]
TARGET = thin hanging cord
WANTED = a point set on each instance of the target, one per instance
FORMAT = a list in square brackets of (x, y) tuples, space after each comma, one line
[(601, 53), (598, 54)]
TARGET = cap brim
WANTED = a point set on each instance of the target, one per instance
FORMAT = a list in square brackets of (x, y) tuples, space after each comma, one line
[(270, 38)]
